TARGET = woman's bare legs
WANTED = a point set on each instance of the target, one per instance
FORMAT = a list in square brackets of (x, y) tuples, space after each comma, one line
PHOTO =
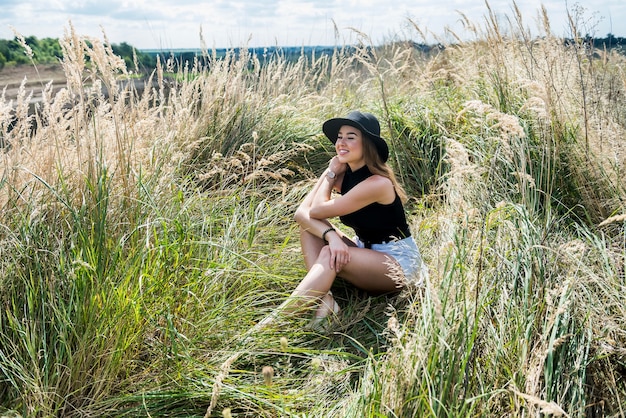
[(311, 247), (369, 270)]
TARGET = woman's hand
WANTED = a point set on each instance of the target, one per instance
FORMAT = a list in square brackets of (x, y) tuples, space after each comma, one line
[(336, 166), (339, 254)]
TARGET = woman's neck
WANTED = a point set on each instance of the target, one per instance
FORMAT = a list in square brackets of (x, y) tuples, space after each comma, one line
[(356, 165)]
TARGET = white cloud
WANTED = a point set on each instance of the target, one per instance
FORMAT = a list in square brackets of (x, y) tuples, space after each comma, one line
[(165, 24)]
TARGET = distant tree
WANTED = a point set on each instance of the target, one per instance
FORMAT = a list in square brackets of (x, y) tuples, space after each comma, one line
[(51, 49), (48, 50), (32, 41), (4, 50), (17, 54), (128, 53), (610, 42), (124, 51)]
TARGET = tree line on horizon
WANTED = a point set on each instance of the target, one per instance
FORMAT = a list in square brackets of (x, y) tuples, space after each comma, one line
[(48, 51)]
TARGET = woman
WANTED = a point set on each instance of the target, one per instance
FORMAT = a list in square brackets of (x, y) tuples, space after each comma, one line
[(383, 256)]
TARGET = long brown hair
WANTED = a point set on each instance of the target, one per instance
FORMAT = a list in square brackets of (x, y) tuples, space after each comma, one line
[(376, 166)]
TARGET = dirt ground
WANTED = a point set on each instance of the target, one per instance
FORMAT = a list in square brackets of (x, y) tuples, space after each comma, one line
[(36, 78)]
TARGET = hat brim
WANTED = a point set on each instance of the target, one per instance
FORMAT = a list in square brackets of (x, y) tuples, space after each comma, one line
[(331, 130)]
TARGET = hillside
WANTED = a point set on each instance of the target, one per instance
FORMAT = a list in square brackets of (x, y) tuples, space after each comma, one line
[(36, 78)]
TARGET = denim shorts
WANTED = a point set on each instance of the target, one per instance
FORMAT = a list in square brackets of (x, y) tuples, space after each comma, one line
[(406, 253)]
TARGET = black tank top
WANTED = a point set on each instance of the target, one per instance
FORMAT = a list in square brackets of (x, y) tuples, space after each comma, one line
[(375, 222)]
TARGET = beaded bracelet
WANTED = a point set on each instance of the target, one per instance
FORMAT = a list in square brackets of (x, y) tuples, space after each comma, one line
[(326, 232)]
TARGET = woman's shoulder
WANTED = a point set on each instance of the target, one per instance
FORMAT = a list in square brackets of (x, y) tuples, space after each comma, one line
[(378, 180), (379, 188)]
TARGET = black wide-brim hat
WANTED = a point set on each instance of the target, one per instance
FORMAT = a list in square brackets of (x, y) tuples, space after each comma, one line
[(365, 122)]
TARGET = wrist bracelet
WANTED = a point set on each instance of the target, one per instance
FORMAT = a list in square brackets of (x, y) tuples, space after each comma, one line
[(326, 232)]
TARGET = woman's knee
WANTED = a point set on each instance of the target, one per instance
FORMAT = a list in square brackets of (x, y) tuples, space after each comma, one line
[(324, 255)]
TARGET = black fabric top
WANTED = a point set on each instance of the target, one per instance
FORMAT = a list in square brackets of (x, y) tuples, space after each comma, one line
[(375, 222)]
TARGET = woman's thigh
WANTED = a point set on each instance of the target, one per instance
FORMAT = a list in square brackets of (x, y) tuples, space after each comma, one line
[(372, 271)]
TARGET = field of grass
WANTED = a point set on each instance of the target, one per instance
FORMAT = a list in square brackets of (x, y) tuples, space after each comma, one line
[(143, 234)]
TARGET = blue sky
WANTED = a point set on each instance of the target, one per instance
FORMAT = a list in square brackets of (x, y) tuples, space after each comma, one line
[(229, 23)]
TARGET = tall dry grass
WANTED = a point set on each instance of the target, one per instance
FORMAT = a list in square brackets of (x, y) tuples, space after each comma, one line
[(145, 231)]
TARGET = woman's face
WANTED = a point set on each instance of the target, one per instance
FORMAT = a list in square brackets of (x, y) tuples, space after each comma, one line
[(349, 146)]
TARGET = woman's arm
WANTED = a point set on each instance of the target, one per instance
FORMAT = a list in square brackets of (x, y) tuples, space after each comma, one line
[(337, 241), (322, 187), (375, 189), (320, 194)]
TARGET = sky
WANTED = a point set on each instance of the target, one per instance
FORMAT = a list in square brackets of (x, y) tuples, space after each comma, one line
[(162, 24)]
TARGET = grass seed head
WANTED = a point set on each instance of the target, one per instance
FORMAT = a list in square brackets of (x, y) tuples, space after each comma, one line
[(316, 363), (268, 375)]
